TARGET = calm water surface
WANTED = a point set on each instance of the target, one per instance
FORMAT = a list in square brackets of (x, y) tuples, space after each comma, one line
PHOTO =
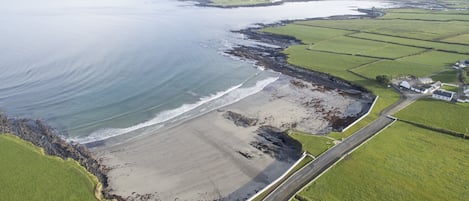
[(101, 68)]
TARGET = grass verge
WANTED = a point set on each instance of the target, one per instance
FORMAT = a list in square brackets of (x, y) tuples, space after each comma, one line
[(27, 174), (404, 162)]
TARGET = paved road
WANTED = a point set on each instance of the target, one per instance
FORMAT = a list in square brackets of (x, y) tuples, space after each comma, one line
[(290, 186)]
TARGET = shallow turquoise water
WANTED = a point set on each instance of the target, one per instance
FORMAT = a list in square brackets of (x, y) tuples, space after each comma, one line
[(102, 68)]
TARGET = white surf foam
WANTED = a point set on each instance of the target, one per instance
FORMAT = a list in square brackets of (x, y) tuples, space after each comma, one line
[(220, 99)]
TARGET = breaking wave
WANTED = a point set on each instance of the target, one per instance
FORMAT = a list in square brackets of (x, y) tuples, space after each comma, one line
[(206, 104)]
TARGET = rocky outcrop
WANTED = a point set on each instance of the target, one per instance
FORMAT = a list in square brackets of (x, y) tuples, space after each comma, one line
[(42, 135), (239, 119), (277, 143)]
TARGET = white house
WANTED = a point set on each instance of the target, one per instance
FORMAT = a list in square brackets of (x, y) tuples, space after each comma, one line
[(413, 86), (443, 95)]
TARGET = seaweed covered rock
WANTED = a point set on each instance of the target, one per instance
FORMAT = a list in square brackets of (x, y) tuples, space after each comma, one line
[(239, 119)]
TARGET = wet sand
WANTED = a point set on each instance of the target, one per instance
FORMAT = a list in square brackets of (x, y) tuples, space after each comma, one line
[(211, 157)]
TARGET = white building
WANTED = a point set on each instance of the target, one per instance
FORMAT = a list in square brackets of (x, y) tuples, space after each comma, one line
[(419, 88), (443, 95)]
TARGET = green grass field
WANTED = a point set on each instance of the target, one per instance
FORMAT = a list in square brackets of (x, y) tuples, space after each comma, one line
[(397, 68), (437, 114), (435, 59), (414, 42), (313, 144), (27, 174), (306, 34), (447, 76), (404, 162), (401, 163), (428, 16), (417, 29), (334, 64), (364, 47), (450, 88), (462, 38)]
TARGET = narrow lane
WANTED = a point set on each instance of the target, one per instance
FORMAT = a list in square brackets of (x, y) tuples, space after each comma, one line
[(288, 188)]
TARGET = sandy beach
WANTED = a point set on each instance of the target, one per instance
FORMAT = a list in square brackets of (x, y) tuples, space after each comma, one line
[(230, 153)]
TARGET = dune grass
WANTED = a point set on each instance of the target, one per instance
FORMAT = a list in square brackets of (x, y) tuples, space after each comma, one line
[(403, 162), (27, 174)]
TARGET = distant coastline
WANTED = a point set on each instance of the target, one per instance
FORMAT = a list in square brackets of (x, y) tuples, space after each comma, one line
[(208, 3)]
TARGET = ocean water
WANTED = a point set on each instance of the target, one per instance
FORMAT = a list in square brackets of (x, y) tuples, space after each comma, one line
[(95, 69)]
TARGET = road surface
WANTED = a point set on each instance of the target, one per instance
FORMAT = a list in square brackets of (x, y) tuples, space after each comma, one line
[(293, 184)]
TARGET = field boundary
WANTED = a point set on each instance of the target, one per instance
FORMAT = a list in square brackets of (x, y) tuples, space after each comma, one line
[(283, 176), (345, 155), (440, 130), (363, 116)]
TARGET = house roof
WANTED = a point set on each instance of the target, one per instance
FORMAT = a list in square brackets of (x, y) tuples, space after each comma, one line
[(444, 93)]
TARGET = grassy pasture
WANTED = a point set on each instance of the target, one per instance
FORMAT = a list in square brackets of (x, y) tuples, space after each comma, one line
[(428, 16), (356, 46), (463, 38), (313, 144), (396, 68), (437, 114), (423, 11), (416, 29), (415, 42), (329, 63), (450, 88), (403, 162), (27, 174), (425, 64), (306, 34), (447, 76), (435, 58)]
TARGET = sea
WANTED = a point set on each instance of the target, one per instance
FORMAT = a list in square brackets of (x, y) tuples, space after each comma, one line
[(97, 69)]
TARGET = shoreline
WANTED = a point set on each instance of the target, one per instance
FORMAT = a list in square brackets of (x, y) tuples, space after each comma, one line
[(101, 170), (276, 60), (230, 153)]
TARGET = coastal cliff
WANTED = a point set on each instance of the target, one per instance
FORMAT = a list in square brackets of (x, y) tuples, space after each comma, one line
[(42, 135)]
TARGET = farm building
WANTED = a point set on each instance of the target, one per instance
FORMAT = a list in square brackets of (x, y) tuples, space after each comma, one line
[(420, 85), (443, 95), (461, 64)]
